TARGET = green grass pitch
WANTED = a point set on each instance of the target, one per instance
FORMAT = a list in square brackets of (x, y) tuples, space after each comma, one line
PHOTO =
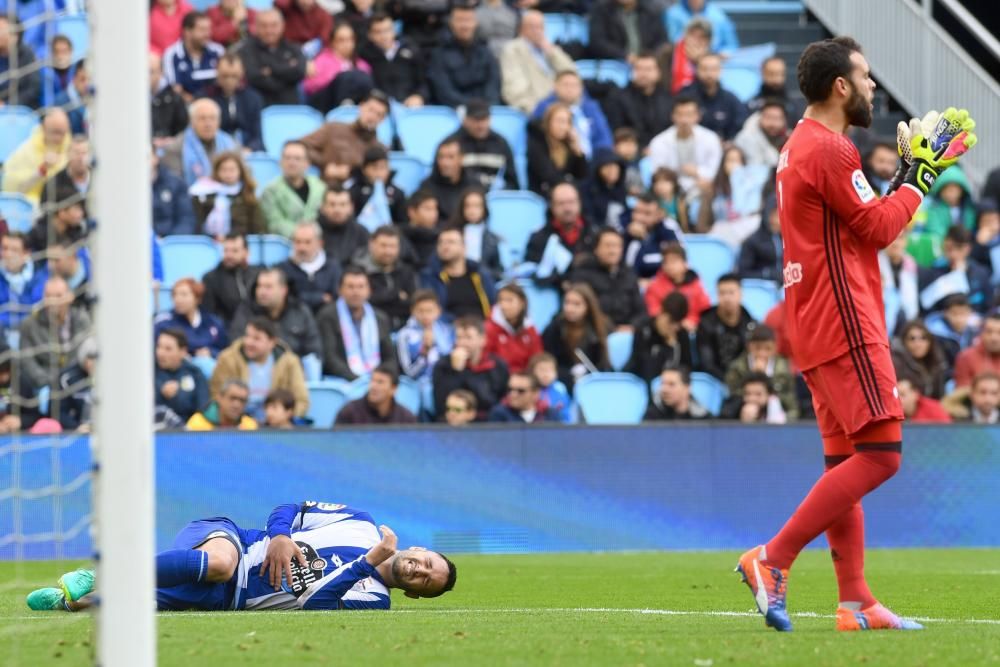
[(569, 609)]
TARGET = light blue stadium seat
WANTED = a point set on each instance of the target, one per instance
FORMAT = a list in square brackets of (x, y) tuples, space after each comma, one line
[(407, 172), (16, 124), (268, 249), (204, 364), (259, 4), (646, 171), (282, 122), (265, 169), (325, 401), (708, 391), (512, 125), (514, 217), (742, 82), (567, 28), (759, 297), (543, 303), (408, 394), (164, 300), (202, 5), (611, 398), (75, 27), (349, 114), (421, 130), (751, 56), (619, 348), (710, 258), (187, 257), (17, 211), (611, 71), (312, 367)]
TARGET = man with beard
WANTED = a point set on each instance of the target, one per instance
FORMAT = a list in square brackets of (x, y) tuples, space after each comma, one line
[(765, 132), (880, 166), (721, 111), (774, 79), (723, 329), (832, 227), (343, 235), (332, 557)]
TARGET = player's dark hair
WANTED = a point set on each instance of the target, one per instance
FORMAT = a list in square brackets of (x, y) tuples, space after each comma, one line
[(683, 99), (728, 278), (675, 306), (756, 377), (388, 371), (761, 334), (958, 234), (263, 325), (281, 396), (449, 583), (178, 335), (352, 270), (822, 63)]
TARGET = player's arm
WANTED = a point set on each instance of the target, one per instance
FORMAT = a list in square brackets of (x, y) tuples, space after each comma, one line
[(282, 549), (329, 592)]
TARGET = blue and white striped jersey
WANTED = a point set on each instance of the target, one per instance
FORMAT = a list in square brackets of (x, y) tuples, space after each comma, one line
[(334, 540)]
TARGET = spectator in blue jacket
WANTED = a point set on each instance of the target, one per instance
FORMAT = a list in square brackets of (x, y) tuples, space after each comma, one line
[(178, 384), (189, 64), (172, 211), (523, 404), (22, 283), (75, 98), (462, 67), (721, 111), (28, 90), (646, 235), (204, 332), (313, 276), (57, 77), (241, 105), (425, 338), (589, 121), (723, 31)]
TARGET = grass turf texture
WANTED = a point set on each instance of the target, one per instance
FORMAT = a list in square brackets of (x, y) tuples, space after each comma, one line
[(569, 609)]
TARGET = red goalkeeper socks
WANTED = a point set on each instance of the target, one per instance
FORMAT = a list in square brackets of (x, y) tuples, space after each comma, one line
[(847, 548), (833, 495)]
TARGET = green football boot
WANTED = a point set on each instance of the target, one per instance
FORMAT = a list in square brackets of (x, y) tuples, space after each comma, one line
[(76, 584), (46, 599)]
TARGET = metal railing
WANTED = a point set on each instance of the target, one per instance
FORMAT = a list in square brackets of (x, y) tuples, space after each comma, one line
[(921, 65)]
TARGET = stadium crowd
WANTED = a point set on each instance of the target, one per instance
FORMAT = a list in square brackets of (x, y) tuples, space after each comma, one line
[(381, 287)]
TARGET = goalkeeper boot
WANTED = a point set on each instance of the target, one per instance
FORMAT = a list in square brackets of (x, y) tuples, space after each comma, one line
[(769, 586), (46, 599), (875, 617), (77, 583)]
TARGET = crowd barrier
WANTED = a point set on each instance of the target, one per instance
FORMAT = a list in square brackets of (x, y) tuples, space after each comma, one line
[(505, 490)]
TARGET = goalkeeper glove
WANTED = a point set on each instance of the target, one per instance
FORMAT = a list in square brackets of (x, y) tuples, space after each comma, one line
[(927, 163), (939, 128)]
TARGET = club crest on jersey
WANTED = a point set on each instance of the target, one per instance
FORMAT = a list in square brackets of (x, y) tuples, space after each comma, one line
[(303, 577), (862, 187), (792, 273)]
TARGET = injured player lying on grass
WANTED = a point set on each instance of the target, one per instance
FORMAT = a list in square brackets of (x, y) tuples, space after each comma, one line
[(314, 556)]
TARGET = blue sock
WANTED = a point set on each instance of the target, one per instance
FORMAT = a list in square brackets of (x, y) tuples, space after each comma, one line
[(181, 566)]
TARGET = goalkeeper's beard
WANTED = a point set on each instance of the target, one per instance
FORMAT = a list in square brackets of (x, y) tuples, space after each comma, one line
[(858, 109)]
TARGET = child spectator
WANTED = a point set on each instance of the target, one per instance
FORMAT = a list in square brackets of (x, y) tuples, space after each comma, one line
[(674, 274), (627, 149), (955, 327), (544, 369), (460, 408), (206, 335), (374, 181), (604, 193), (918, 408), (577, 337), (938, 282), (481, 245), (279, 409), (425, 338), (509, 333), (668, 194), (916, 354), (762, 357), (661, 342), (754, 402), (226, 203)]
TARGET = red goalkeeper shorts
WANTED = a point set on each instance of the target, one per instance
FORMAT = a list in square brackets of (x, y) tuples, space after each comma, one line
[(854, 390)]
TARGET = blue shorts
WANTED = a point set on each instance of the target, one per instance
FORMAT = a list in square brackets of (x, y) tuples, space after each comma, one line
[(205, 596)]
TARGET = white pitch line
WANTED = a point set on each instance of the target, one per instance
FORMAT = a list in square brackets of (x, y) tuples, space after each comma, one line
[(563, 610)]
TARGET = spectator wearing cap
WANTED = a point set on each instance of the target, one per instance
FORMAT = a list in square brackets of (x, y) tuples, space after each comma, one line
[(721, 111), (695, 43), (647, 233), (574, 234), (396, 62), (343, 236), (529, 64), (762, 357), (486, 155), (622, 29), (723, 329), (764, 133), (392, 282), (675, 275), (240, 105), (293, 321), (190, 154), (681, 13), (378, 405), (22, 283), (523, 403), (232, 21), (226, 411), (673, 400), (774, 85), (978, 403), (172, 209), (305, 21), (448, 178), (75, 406), (983, 356), (462, 287), (204, 333), (461, 67), (189, 64), (231, 282), (312, 275), (955, 326), (374, 176), (55, 331), (356, 336), (339, 75), (28, 91), (588, 120), (41, 155), (274, 65), (264, 362), (938, 282), (660, 341), (918, 408), (169, 112), (688, 148), (644, 104), (470, 367), (346, 143), (295, 195), (987, 238), (177, 383), (615, 284)]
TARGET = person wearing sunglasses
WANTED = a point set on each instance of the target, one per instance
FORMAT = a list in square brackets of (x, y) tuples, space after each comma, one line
[(523, 404)]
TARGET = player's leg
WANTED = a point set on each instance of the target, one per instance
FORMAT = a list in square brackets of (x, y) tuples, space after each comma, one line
[(204, 551)]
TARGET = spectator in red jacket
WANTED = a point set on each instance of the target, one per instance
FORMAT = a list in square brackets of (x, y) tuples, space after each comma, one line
[(983, 356), (674, 274), (918, 408), (305, 21), (231, 21), (165, 18), (509, 333)]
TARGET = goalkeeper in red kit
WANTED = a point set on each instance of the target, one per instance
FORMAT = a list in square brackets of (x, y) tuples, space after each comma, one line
[(832, 227)]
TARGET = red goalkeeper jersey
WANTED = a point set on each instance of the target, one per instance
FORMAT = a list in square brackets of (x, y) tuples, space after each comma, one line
[(832, 227)]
